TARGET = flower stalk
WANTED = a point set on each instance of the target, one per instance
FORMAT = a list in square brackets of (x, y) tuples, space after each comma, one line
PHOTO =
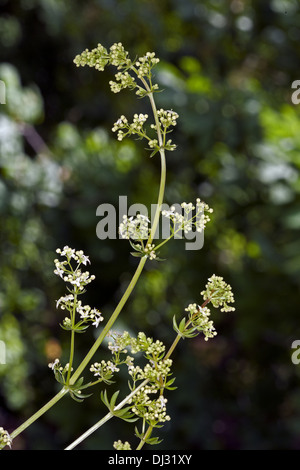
[(153, 379)]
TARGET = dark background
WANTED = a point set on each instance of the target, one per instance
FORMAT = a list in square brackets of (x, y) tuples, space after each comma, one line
[(227, 69)]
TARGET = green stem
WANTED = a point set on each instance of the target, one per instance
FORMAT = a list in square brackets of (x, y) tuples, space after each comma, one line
[(178, 337), (173, 346), (142, 262), (119, 406), (39, 413), (165, 241), (106, 417), (143, 441), (125, 296), (72, 341), (110, 322)]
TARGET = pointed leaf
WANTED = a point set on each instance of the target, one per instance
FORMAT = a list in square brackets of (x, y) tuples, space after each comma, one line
[(104, 398), (137, 255), (113, 399)]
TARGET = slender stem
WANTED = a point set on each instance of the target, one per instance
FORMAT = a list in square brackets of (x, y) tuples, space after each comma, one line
[(72, 345), (142, 262), (119, 406), (39, 413), (165, 241), (163, 170), (106, 417), (146, 435), (113, 318), (110, 322), (173, 346), (178, 337)]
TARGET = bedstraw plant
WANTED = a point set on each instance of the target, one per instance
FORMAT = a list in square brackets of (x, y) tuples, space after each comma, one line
[(147, 361)]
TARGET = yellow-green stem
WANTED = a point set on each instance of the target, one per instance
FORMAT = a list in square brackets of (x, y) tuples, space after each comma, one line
[(39, 413), (110, 322), (71, 380), (146, 436), (106, 418), (72, 344), (142, 262)]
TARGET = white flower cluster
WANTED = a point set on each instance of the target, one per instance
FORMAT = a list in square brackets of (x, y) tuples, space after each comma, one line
[(150, 251), (167, 117), (152, 349), (156, 371), (219, 293), (119, 445), (142, 68), (65, 270), (199, 317), (100, 369), (86, 313), (151, 372), (123, 80), (136, 127), (121, 341), (186, 221), (118, 56), (56, 365), (153, 411), (145, 64), (97, 57), (70, 253), (5, 439), (121, 123), (136, 228), (78, 280)]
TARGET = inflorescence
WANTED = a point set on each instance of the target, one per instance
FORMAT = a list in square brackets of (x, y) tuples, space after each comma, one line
[(79, 280), (128, 71), (149, 402), (216, 291)]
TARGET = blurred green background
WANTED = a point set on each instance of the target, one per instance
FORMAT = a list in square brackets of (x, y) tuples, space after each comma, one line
[(227, 69)]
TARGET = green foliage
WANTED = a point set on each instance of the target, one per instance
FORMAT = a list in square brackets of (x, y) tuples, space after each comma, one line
[(123, 413)]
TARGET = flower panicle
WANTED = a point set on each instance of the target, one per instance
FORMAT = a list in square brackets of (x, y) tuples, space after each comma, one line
[(119, 445), (219, 293), (149, 402), (79, 280), (185, 220), (99, 57)]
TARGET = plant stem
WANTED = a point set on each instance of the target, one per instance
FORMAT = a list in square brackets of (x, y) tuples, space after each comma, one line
[(105, 418), (72, 341), (39, 413), (113, 318), (178, 337), (173, 346), (143, 260), (143, 441), (119, 406), (110, 322)]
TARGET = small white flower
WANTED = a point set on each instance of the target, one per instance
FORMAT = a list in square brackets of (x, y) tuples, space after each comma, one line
[(97, 321), (52, 365)]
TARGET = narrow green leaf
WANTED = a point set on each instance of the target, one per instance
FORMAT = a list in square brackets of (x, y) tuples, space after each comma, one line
[(154, 152), (137, 255), (113, 399), (182, 325), (104, 398)]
